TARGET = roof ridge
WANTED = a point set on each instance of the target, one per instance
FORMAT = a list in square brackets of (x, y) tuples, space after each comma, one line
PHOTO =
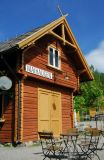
[(11, 42)]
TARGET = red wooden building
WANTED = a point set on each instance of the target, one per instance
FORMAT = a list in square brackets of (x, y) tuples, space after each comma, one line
[(46, 67)]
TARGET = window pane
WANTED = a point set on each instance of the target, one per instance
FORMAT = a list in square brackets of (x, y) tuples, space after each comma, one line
[(56, 59), (51, 57)]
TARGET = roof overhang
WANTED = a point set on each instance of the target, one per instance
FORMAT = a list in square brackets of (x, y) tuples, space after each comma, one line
[(49, 29)]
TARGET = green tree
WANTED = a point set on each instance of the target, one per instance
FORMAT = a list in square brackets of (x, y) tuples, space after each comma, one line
[(92, 93), (79, 103)]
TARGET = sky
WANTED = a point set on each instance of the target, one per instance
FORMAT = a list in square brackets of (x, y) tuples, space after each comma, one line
[(86, 19)]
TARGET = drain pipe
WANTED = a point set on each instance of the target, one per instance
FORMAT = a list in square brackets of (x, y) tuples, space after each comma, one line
[(19, 105)]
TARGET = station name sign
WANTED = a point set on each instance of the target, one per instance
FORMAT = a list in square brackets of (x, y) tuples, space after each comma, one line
[(38, 71)]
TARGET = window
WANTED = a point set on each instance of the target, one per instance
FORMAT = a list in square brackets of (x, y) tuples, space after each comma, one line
[(54, 58)]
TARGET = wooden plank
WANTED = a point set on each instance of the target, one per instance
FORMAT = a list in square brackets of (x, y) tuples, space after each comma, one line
[(40, 62), (65, 41), (63, 33)]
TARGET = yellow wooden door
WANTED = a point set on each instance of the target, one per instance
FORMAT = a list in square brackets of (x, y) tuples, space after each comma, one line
[(49, 111), (43, 110), (55, 112)]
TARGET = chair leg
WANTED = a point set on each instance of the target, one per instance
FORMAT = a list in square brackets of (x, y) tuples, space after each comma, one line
[(44, 158), (97, 156), (102, 146)]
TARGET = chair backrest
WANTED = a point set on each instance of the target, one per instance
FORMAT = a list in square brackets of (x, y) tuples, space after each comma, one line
[(95, 132), (88, 129), (72, 130), (95, 137), (50, 147), (45, 135), (46, 140)]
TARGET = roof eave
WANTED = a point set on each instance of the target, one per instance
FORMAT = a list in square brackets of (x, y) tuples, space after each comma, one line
[(30, 39), (15, 47), (83, 60), (46, 29)]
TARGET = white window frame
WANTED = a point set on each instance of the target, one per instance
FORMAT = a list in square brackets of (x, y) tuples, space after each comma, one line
[(59, 61)]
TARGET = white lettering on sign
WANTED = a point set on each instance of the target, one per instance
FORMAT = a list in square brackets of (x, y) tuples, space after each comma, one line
[(38, 71)]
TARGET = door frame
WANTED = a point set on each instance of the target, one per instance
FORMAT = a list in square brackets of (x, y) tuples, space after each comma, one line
[(60, 112)]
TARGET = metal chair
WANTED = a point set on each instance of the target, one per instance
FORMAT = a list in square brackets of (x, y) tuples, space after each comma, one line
[(72, 130), (94, 142), (89, 146), (52, 149)]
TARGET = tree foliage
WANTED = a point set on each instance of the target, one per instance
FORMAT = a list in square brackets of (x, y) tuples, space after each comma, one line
[(92, 93)]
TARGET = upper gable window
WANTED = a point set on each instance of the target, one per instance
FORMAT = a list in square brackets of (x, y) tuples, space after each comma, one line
[(54, 58)]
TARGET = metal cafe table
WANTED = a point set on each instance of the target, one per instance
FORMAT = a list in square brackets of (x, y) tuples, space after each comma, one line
[(81, 147), (71, 141)]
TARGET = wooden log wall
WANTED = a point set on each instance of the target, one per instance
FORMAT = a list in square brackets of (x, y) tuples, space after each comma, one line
[(7, 129), (37, 56), (16, 112), (30, 109), (67, 119)]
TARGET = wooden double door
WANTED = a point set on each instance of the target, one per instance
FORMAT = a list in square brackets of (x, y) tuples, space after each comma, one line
[(49, 111)]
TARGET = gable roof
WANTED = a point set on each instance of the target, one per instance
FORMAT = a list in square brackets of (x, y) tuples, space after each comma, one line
[(30, 37), (14, 42)]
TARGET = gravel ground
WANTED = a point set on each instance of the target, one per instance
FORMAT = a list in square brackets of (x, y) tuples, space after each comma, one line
[(21, 153), (32, 152), (27, 153)]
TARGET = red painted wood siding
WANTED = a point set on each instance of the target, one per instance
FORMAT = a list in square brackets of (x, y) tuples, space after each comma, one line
[(30, 111), (67, 118), (30, 108), (7, 130), (37, 56)]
